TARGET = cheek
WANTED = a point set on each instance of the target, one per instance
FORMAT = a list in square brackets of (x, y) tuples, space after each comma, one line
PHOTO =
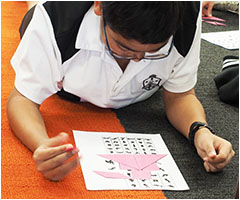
[(114, 47)]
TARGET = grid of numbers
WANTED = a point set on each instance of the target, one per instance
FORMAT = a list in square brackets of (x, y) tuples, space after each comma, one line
[(130, 145)]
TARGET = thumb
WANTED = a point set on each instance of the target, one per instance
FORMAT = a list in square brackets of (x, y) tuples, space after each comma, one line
[(57, 140), (209, 10), (210, 152), (209, 13)]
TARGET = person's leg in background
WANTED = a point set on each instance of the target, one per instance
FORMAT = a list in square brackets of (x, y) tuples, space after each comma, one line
[(230, 6)]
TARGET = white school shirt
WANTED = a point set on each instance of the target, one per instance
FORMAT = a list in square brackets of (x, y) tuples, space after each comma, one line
[(92, 74)]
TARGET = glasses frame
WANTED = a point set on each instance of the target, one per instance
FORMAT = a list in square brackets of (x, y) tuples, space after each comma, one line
[(113, 54)]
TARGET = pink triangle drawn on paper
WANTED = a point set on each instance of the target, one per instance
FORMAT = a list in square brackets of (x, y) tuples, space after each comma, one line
[(111, 175), (125, 159), (138, 161), (145, 160)]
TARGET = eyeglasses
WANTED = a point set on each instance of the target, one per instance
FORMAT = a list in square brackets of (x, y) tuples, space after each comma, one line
[(147, 56)]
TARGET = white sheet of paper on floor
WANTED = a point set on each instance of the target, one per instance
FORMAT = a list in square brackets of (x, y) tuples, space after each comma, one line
[(127, 161), (226, 39)]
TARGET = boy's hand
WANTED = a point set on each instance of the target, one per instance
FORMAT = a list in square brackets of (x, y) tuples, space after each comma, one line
[(216, 152), (51, 157)]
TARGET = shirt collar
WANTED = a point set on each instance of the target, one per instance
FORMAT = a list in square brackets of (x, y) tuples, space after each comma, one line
[(89, 33)]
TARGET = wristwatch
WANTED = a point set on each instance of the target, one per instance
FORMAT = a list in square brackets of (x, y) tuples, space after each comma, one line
[(194, 128)]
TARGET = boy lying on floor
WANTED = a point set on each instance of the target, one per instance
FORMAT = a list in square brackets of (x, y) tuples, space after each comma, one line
[(111, 54)]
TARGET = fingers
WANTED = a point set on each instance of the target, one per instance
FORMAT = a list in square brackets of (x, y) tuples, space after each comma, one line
[(209, 168), (56, 161), (214, 163), (204, 13), (216, 152), (57, 140), (53, 157), (43, 154), (205, 145), (210, 151), (207, 8), (61, 171), (58, 166), (219, 162), (208, 12)]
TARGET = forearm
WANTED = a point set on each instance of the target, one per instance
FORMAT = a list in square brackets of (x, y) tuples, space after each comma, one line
[(25, 120), (183, 109)]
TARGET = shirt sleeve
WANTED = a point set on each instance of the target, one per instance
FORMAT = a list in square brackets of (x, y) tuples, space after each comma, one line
[(37, 60), (184, 74)]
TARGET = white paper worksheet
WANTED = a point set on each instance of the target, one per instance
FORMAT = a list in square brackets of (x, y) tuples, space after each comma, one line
[(127, 161), (226, 39)]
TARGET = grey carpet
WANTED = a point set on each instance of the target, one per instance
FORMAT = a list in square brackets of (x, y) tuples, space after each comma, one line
[(149, 117)]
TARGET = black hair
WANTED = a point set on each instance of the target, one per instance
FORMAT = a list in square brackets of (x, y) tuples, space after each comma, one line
[(148, 22)]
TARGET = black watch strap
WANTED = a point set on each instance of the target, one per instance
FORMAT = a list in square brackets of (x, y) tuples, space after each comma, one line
[(194, 128)]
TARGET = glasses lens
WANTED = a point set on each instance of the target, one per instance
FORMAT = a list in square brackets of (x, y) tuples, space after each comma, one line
[(155, 56)]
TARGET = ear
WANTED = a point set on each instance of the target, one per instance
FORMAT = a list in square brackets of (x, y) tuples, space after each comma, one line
[(98, 8)]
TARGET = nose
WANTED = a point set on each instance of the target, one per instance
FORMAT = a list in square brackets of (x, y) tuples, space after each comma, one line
[(138, 57)]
